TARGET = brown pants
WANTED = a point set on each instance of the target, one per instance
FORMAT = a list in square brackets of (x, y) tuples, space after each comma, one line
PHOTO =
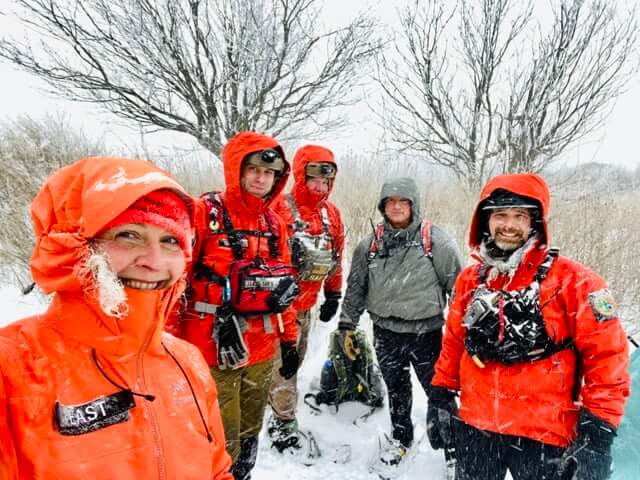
[(283, 395), (242, 395)]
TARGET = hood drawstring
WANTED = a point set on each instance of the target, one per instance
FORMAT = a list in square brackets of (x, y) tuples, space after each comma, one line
[(193, 393), (146, 396)]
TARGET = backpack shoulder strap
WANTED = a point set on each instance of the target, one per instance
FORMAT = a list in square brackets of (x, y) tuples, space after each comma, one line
[(544, 268), (298, 224), (273, 235), (326, 223), (376, 241), (219, 212), (425, 233)]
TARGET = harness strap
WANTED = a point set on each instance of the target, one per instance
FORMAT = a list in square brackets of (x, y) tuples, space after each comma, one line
[(425, 232), (325, 221), (425, 237), (298, 223), (234, 235)]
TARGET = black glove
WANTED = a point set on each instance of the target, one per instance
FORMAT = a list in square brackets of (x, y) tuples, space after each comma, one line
[(290, 359), (441, 411), (283, 295), (330, 306), (588, 457), (227, 333)]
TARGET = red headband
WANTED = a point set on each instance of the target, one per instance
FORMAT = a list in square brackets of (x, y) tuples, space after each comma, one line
[(161, 208)]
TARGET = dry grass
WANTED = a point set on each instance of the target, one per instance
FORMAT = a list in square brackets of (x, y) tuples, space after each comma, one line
[(599, 229)]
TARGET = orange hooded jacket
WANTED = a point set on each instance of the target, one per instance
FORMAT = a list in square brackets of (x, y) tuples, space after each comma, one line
[(536, 399), (309, 206), (51, 361), (246, 213)]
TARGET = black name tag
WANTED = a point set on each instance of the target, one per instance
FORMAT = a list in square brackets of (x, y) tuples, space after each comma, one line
[(94, 415)]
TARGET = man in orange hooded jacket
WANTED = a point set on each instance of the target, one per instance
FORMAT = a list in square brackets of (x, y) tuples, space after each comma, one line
[(93, 388), (534, 347), (317, 240), (242, 247)]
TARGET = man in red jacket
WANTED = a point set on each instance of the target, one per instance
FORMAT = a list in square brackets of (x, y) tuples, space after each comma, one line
[(241, 289), (316, 239), (533, 346)]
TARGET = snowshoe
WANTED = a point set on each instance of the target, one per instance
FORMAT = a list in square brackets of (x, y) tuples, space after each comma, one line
[(392, 452), (392, 458), (284, 434)]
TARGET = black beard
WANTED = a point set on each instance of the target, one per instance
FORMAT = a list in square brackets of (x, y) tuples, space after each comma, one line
[(498, 253)]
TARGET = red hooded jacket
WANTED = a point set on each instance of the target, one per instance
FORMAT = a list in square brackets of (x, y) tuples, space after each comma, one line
[(535, 399), (309, 206), (246, 212), (52, 359)]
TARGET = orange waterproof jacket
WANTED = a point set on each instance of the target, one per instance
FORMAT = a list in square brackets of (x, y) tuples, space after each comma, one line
[(50, 363), (309, 206), (536, 399), (213, 250)]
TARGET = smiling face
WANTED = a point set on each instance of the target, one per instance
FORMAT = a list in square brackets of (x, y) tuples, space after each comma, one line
[(510, 227), (398, 211), (143, 256), (257, 181)]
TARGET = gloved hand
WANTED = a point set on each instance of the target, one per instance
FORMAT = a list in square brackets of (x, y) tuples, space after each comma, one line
[(330, 306), (283, 295), (232, 351), (349, 344), (588, 457), (441, 410), (290, 359)]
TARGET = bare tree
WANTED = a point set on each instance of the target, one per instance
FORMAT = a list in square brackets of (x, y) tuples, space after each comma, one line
[(208, 68), (30, 150), (483, 88)]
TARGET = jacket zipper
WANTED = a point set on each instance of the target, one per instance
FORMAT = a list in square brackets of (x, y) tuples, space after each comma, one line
[(153, 421)]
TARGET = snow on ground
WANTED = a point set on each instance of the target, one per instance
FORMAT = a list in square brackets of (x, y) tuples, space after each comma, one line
[(14, 305), (331, 429)]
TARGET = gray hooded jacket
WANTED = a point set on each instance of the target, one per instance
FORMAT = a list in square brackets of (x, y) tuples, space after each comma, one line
[(402, 289)]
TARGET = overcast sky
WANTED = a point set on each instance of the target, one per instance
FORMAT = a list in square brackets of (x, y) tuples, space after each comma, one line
[(20, 93)]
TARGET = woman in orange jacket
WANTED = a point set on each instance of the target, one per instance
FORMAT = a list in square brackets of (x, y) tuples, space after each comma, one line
[(533, 346), (93, 388)]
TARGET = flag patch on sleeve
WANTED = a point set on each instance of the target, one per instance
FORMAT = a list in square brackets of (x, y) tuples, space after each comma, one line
[(603, 305)]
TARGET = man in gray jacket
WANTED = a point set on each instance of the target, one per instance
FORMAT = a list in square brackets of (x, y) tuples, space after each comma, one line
[(402, 275)]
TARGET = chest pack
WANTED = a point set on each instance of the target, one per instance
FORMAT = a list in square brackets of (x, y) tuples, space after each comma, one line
[(377, 242), (508, 326), (252, 282), (314, 256)]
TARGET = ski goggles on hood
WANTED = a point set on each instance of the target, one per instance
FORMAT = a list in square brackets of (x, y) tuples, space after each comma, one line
[(321, 169), (270, 158), (506, 199)]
